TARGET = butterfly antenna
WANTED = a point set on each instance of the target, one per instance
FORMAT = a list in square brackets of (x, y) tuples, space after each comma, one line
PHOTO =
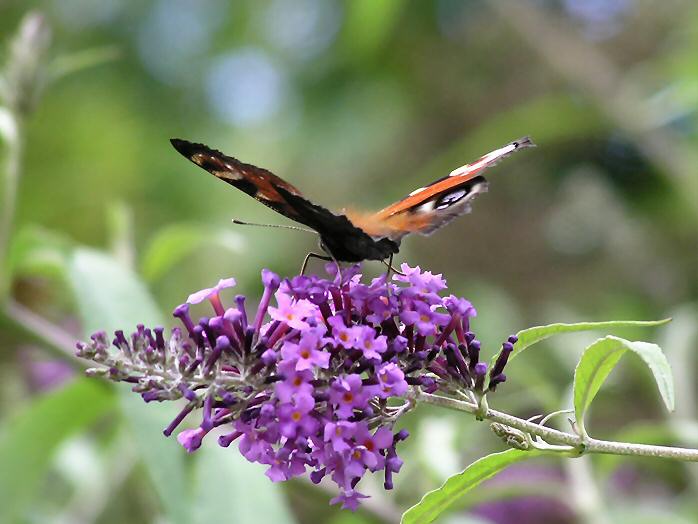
[(282, 226)]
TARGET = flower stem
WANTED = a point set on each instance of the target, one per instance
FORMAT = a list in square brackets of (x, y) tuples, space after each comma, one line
[(54, 339), (7, 215), (553, 436)]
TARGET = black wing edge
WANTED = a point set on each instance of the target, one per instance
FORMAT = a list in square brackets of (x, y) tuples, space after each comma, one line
[(189, 149), (523, 142)]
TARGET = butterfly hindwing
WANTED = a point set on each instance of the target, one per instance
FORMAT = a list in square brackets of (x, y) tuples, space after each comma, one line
[(443, 207), (454, 179), (430, 207)]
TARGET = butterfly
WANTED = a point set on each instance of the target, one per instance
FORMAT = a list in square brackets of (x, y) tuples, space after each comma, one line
[(353, 236)]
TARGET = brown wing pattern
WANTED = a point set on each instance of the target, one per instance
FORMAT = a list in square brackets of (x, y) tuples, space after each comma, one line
[(257, 182), (339, 236)]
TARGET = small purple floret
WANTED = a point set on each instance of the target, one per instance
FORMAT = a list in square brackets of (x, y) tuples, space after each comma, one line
[(200, 296)]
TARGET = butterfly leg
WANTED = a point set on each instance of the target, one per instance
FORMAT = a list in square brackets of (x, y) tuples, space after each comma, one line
[(391, 269), (314, 255)]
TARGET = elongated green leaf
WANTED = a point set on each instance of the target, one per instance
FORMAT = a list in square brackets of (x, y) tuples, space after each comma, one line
[(30, 439), (65, 65), (533, 335), (436, 502), (225, 482), (599, 359), (175, 242), (8, 124), (110, 297)]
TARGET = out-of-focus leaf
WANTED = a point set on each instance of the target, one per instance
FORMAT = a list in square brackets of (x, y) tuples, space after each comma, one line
[(8, 124), (437, 501), (602, 356), (177, 241), (120, 232), (227, 484), (29, 440), (533, 335), (72, 63), (110, 297), (680, 339), (38, 251), (438, 442)]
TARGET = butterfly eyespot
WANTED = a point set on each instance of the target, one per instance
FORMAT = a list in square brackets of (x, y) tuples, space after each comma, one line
[(450, 199)]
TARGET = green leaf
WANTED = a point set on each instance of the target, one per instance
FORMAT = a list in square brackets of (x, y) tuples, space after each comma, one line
[(30, 439), (175, 242), (224, 481), (599, 359), (111, 297), (533, 335), (87, 58), (436, 502)]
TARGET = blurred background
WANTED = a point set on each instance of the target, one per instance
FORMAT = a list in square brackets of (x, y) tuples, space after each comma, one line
[(357, 103)]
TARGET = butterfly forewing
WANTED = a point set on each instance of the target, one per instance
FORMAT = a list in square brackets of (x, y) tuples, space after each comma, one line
[(339, 236), (257, 182)]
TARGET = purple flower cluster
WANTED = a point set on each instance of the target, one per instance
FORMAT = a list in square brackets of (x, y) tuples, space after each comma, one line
[(315, 381)]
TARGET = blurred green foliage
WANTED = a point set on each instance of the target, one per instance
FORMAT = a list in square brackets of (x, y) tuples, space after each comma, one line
[(357, 103)]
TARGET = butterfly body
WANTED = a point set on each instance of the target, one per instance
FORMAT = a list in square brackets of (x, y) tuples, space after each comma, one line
[(354, 236)]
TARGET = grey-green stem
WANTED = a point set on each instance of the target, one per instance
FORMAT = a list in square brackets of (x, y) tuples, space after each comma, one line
[(555, 437), (7, 215)]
